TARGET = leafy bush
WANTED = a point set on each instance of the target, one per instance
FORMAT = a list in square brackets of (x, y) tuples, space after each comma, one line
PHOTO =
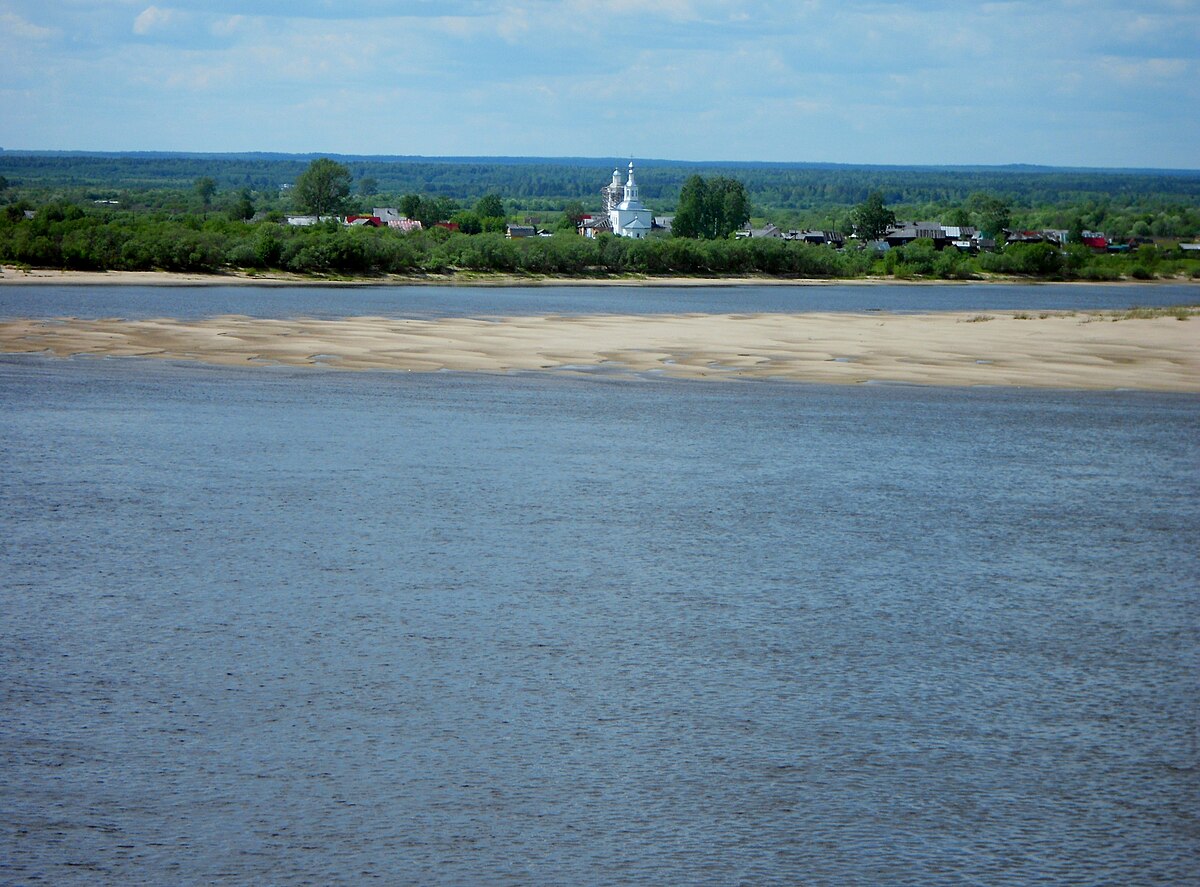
[(1034, 259), (917, 259)]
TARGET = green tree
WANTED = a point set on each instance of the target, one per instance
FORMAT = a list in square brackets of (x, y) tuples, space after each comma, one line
[(994, 213), (690, 211), (1037, 259), (205, 187), (919, 258), (574, 213), (490, 206), (368, 186), (410, 206), (468, 222), (734, 209), (872, 218), (432, 210), (323, 187), (710, 210), (243, 208), (494, 224)]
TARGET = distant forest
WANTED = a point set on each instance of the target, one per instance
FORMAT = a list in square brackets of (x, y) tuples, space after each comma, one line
[(1160, 203)]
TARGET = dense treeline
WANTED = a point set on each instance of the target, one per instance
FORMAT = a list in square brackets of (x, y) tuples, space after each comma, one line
[(779, 185), (67, 236), (1120, 202)]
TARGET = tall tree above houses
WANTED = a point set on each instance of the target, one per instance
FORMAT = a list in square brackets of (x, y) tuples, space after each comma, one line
[(323, 187), (994, 213), (712, 209), (872, 218)]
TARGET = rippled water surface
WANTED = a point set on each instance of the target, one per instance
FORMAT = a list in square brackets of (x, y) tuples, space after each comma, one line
[(304, 627)]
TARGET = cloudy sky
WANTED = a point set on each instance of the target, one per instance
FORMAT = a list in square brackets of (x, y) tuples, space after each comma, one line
[(1061, 82)]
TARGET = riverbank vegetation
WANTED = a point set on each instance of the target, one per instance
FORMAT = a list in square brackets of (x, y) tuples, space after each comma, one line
[(65, 236), (226, 213)]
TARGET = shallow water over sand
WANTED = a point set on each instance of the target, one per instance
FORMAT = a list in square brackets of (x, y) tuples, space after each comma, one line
[(297, 626)]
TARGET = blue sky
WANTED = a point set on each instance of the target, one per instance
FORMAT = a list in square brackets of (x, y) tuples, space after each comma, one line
[(1060, 82)]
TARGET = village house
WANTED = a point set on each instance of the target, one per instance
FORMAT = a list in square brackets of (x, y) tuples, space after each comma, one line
[(593, 226), (768, 230), (907, 232), (309, 221), (396, 220), (830, 238)]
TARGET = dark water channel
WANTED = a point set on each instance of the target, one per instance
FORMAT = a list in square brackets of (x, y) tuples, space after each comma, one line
[(140, 302)]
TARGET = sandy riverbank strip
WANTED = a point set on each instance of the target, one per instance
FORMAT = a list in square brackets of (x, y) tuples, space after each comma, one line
[(1049, 349)]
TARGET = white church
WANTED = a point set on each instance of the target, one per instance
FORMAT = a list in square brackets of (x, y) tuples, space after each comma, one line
[(627, 217)]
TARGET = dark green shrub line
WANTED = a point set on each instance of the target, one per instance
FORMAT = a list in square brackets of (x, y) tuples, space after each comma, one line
[(64, 236)]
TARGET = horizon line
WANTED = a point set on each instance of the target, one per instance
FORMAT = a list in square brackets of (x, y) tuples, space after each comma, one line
[(583, 160)]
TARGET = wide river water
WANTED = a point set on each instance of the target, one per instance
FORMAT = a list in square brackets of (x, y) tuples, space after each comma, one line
[(297, 626), (140, 302)]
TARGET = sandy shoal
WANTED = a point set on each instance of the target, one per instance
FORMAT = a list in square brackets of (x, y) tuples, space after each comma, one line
[(1057, 350)]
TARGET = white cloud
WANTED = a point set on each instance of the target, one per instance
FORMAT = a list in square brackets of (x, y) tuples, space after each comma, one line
[(153, 19), (15, 26), (513, 24), (694, 79), (1149, 71), (227, 27)]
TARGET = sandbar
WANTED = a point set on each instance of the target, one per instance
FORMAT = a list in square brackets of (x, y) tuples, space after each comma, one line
[(1072, 350)]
